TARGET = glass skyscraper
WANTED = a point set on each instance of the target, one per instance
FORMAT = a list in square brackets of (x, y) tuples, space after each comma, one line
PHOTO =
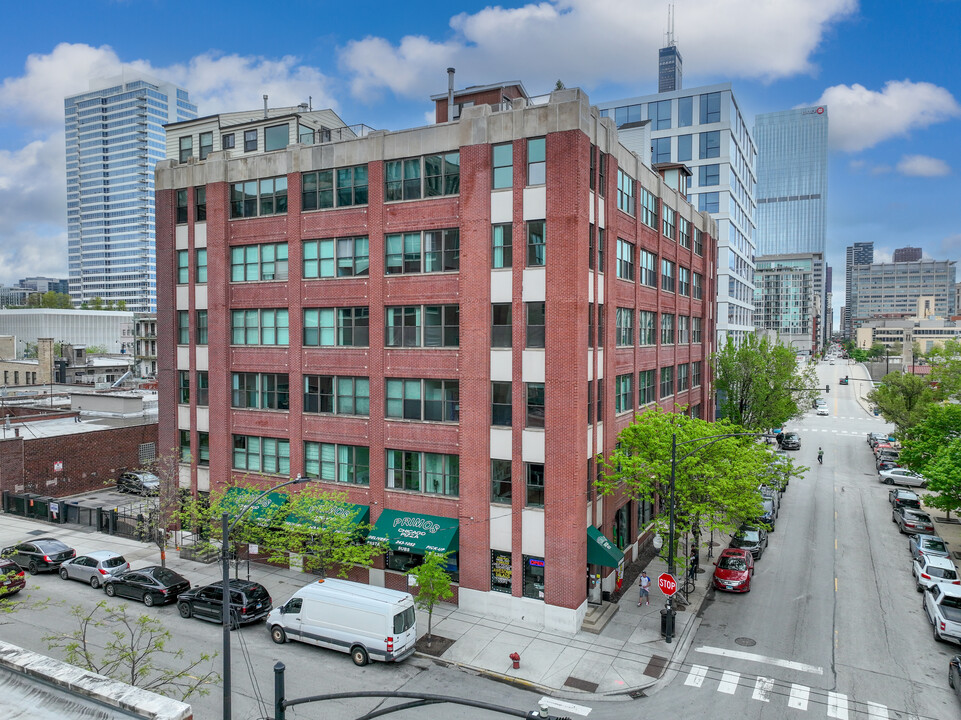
[(115, 137)]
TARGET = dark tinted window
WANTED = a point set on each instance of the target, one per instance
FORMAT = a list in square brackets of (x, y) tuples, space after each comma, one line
[(945, 573), (167, 577), (404, 621), (257, 593), (293, 606), (113, 562)]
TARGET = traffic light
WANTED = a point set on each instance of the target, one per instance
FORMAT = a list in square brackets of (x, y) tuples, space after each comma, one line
[(827, 389)]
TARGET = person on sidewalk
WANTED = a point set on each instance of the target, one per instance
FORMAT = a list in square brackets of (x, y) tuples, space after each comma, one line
[(645, 585)]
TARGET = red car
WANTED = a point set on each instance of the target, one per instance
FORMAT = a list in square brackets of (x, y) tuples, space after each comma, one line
[(12, 579), (734, 570)]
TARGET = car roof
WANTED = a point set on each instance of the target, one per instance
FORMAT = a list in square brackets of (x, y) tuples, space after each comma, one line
[(952, 590), (939, 561), (102, 554), (927, 536), (901, 492), (734, 551), (916, 512)]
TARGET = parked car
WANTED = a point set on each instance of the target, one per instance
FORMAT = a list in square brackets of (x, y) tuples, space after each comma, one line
[(904, 497), (12, 578), (249, 602), (942, 603), (823, 410), (886, 464), (874, 437), (772, 494), (927, 545), (733, 571), (901, 476), (789, 441), (138, 483), (94, 567), (954, 675), (154, 585), (749, 537), (929, 570), (819, 401), (769, 515), (912, 521), (40, 555)]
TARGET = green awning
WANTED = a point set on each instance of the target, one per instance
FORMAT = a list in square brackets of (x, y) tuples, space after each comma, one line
[(268, 510), (309, 519), (412, 532), (601, 551)]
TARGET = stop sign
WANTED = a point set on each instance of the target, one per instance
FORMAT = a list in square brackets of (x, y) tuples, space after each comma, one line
[(667, 584)]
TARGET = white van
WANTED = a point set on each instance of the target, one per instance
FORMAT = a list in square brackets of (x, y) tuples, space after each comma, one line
[(371, 623)]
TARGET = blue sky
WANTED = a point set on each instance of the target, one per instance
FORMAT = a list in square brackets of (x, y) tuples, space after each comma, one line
[(887, 69)]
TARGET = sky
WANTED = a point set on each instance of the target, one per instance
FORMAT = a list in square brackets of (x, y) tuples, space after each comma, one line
[(886, 69)]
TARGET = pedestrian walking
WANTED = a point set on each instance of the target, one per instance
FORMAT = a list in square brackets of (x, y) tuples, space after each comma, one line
[(645, 585), (820, 456)]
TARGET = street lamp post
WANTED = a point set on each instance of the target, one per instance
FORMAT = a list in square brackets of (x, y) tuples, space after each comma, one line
[(226, 527)]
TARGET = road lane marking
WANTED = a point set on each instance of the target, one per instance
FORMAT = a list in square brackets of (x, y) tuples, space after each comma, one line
[(877, 712), (837, 706), (762, 688), (696, 676), (799, 697), (739, 655), (728, 682)]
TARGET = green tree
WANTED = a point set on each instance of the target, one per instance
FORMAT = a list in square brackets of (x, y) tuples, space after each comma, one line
[(926, 440), (96, 350), (903, 399), (121, 305), (858, 355), (50, 299), (132, 649), (559, 85), (30, 350), (877, 350), (760, 384), (433, 586), (96, 303), (944, 478), (945, 364)]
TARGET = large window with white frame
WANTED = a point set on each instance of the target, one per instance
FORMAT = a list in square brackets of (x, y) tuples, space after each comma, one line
[(648, 267), (340, 187), (646, 387), (646, 327), (626, 192), (625, 260), (623, 393), (624, 324), (669, 223), (421, 399), (696, 330), (667, 382), (256, 198), (252, 263), (667, 328), (430, 251), (259, 327), (684, 233), (648, 209), (336, 257), (348, 464), (667, 275), (422, 177), (683, 281), (261, 454), (423, 472), (337, 327), (422, 326), (337, 395)]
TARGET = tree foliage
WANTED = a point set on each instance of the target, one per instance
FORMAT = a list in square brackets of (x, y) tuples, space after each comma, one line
[(132, 649), (49, 299), (903, 399), (760, 384), (932, 448), (945, 364), (433, 585), (944, 478)]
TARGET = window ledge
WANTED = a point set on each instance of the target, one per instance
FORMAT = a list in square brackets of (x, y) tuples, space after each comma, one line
[(418, 493)]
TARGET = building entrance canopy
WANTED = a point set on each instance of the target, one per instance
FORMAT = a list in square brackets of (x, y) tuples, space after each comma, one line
[(600, 550)]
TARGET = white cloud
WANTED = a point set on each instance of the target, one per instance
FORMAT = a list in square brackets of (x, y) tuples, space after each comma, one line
[(861, 118), (585, 42), (923, 166)]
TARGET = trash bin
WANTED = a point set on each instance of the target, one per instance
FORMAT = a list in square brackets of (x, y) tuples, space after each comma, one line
[(667, 622)]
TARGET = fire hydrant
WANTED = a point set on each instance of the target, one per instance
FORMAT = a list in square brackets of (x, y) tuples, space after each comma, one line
[(516, 659)]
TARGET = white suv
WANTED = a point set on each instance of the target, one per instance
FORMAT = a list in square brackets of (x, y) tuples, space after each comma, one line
[(942, 603), (930, 570)]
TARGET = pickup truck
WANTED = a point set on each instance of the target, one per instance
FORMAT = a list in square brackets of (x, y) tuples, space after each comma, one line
[(942, 603)]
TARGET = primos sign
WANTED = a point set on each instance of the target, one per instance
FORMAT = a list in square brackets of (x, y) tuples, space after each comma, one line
[(413, 528)]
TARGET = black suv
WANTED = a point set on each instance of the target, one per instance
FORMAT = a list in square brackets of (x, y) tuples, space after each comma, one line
[(789, 441), (39, 555), (249, 602)]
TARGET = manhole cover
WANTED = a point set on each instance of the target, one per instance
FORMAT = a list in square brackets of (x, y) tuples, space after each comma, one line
[(745, 642)]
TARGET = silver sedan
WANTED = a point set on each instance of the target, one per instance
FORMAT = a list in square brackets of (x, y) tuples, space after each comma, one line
[(94, 567), (902, 476)]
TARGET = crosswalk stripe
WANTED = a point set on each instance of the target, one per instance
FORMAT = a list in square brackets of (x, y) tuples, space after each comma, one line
[(762, 688), (877, 712), (799, 697), (728, 682), (696, 676), (837, 706)]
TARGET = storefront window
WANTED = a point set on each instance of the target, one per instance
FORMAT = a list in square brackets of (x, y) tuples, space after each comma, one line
[(404, 561), (533, 577), (501, 571), (621, 526)]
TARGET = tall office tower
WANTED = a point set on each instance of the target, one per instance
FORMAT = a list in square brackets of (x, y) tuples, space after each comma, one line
[(907, 254), (829, 303), (861, 253), (789, 290), (669, 60), (115, 136), (703, 128), (894, 288)]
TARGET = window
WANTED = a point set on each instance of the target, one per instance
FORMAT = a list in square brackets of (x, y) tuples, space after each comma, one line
[(501, 240), (683, 330), (602, 175), (684, 152), (200, 204), (343, 187), (422, 252), (624, 327), (181, 207), (600, 249), (709, 202), (591, 247), (661, 150), (535, 405), (696, 330), (535, 484), (261, 454), (183, 387), (535, 324), (206, 144), (536, 247), (227, 141), (186, 148), (710, 104), (501, 403), (203, 448), (258, 197), (646, 387), (592, 172), (697, 288), (184, 446), (536, 161), (183, 327), (625, 260), (337, 327), (683, 281), (422, 177), (203, 388), (648, 268), (590, 402), (600, 400), (337, 463), (684, 233), (422, 326), (501, 335), (336, 257), (696, 372), (183, 266), (709, 175), (251, 263), (623, 393), (683, 377), (626, 193), (659, 113), (276, 137), (685, 111), (201, 327), (501, 482), (710, 144), (648, 209), (433, 400), (667, 329), (423, 472), (646, 328), (337, 395), (260, 391), (667, 275), (667, 382), (698, 242), (250, 141), (259, 327), (669, 223), (503, 164)]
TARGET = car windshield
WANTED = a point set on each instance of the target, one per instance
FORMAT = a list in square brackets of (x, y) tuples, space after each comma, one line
[(114, 562), (149, 479), (934, 545), (732, 563), (167, 577), (917, 516), (751, 536)]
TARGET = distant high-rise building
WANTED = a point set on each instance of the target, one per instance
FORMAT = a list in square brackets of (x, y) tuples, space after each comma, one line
[(907, 254), (879, 289), (788, 295), (861, 253), (45, 284), (115, 136), (669, 60)]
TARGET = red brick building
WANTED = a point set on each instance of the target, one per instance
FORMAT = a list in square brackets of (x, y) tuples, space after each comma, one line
[(448, 322)]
